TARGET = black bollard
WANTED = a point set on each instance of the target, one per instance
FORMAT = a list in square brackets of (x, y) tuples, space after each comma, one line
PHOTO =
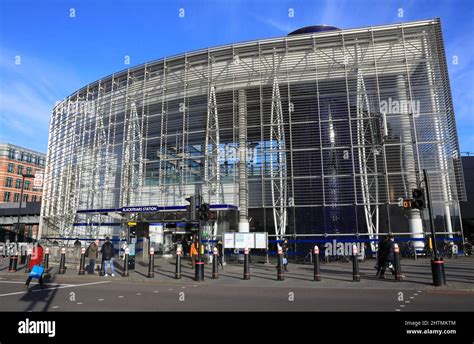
[(355, 265), (280, 273), (62, 262), (151, 263), (102, 271), (397, 266), (317, 273), (246, 264), (215, 273), (28, 260), (46, 262), (82, 262), (199, 270), (177, 274), (437, 269), (125, 263)]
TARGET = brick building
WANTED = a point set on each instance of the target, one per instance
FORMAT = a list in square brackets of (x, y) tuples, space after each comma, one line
[(15, 163)]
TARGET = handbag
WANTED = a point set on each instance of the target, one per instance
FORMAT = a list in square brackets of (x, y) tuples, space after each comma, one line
[(37, 271), (285, 261)]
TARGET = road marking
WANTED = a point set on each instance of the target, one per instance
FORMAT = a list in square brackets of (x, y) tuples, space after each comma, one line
[(120, 297), (79, 303), (138, 294), (412, 297), (402, 305), (60, 287), (419, 291), (415, 294), (183, 287), (407, 301), (101, 299), (155, 291), (54, 307), (397, 310), (170, 289)]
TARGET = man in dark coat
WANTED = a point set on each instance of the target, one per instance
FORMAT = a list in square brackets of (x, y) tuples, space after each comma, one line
[(284, 248), (220, 252), (388, 256), (108, 256)]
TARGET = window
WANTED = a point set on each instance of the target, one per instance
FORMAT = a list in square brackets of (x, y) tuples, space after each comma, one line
[(25, 198), (33, 198), (10, 168), (11, 154), (28, 170), (9, 182), (20, 170), (6, 198), (27, 185), (16, 198), (18, 184)]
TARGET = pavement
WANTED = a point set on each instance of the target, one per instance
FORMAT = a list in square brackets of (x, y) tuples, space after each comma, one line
[(298, 292)]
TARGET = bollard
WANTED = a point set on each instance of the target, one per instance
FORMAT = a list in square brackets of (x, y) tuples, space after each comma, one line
[(46, 262), (62, 262), (199, 271), (355, 265), (125, 264), (437, 269), (280, 274), (28, 260), (246, 263), (151, 263), (215, 273), (12, 264), (317, 273), (102, 272), (177, 274), (397, 266), (82, 262)]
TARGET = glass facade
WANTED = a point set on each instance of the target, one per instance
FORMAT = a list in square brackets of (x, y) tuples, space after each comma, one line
[(312, 133)]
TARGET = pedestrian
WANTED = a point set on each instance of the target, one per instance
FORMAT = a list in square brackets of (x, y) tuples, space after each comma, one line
[(284, 248), (36, 262), (91, 253), (220, 254), (108, 256), (193, 252), (184, 246), (381, 255), (388, 256)]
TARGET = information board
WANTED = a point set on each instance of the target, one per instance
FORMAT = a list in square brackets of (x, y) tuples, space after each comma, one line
[(242, 240)]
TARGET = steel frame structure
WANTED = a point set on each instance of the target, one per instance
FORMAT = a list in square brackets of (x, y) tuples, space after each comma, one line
[(308, 106)]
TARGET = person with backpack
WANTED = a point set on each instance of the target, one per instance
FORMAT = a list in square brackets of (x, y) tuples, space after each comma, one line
[(36, 268), (108, 256)]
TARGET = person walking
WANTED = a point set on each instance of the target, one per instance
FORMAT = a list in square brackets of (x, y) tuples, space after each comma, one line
[(92, 253), (220, 254), (193, 252), (184, 246), (284, 248), (36, 260), (381, 255), (77, 249), (388, 256), (108, 256)]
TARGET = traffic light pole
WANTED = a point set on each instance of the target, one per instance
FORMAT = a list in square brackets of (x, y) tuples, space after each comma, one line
[(437, 263)]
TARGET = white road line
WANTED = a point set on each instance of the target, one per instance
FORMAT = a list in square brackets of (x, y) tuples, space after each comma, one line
[(397, 310), (415, 294), (402, 305), (183, 287), (412, 297), (407, 301), (419, 291), (60, 287), (54, 307), (138, 294), (155, 291), (120, 297), (18, 282), (170, 289), (101, 299), (79, 303)]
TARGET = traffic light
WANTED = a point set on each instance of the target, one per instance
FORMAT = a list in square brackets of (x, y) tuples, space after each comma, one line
[(191, 208), (204, 212), (418, 199)]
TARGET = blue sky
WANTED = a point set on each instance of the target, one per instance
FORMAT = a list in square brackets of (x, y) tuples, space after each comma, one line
[(59, 53)]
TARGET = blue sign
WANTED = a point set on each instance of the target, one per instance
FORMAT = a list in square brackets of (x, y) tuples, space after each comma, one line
[(144, 209)]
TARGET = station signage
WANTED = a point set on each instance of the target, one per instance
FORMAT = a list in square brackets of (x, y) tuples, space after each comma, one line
[(144, 209)]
